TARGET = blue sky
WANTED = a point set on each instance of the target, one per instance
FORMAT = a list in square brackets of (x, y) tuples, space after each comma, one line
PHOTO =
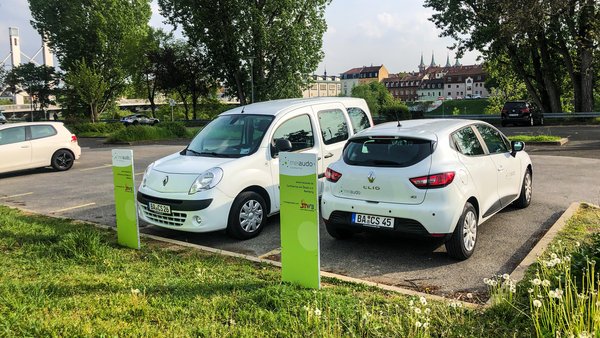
[(360, 33)]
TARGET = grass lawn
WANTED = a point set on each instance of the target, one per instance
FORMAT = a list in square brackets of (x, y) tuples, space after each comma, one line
[(535, 138), (61, 278)]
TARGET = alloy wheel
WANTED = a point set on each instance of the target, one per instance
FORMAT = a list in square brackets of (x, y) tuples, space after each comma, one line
[(470, 230), (251, 216)]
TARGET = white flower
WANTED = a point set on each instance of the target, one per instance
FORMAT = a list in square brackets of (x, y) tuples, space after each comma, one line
[(426, 325), (135, 292), (505, 276), (553, 256), (513, 289), (427, 311), (558, 292), (537, 303), (423, 300), (577, 244), (306, 308), (536, 281), (530, 290), (411, 303), (469, 295), (317, 312), (417, 310), (486, 281), (567, 259), (232, 322), (556, 261), (546, 283), (493, 283), (552, 294), (418, 324), (550, 264)]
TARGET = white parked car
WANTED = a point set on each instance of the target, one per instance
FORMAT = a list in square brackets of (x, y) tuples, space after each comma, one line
[(37, 144), (228, 176), (437, 177)]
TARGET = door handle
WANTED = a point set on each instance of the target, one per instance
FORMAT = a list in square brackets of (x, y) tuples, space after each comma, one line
[(500, 168), (328, 155), (24, 147)]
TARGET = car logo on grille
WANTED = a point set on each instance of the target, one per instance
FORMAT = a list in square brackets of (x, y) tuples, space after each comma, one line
[(165, 180), (371, 177)]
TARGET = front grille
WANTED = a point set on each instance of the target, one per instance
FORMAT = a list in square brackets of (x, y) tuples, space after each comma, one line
[(174, 219), (402, 225)]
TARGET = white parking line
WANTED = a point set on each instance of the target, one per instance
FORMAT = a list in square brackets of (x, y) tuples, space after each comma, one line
[(94, 168), (71, 208), (270, 253), (19, 195)]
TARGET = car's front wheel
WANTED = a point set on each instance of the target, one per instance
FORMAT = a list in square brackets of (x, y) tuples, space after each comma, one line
[(338, 232), (62, 160), (247, 216), (462, 243), (526, 191)]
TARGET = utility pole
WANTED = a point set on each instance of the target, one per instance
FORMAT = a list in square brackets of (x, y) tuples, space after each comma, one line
[(251, 58), (172, 104)]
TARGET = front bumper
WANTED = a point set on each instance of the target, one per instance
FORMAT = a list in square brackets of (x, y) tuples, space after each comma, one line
[(207, 211)]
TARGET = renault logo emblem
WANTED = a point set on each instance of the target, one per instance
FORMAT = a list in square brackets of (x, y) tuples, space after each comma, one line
[(371, 177), (165, 180)]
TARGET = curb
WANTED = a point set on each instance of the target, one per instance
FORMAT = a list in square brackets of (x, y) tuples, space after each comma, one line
[(560, 142)]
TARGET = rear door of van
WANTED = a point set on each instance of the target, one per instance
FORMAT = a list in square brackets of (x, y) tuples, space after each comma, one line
[(333, 128)]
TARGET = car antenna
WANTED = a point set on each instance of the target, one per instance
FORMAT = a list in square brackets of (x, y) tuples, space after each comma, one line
[(243, 107), (398, 119)]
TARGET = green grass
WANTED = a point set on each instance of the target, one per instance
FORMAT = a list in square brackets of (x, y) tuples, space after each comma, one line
[(474, 106), (60, 278), (535, 138)]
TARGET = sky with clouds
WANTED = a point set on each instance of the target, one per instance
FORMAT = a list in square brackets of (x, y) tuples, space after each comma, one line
[(360, 33)]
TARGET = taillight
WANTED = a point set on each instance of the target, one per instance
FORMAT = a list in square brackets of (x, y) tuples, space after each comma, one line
[(73, 138), (433, 181), (504, 110), (525, 110), (332, 175)]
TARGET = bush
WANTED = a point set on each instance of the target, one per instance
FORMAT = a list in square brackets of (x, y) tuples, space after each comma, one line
[(84, 128), (394, 112), (175, 128), (162, 131)]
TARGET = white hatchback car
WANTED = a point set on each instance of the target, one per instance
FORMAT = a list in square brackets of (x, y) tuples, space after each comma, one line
[(228, 176), (37, 144), (438, 177)]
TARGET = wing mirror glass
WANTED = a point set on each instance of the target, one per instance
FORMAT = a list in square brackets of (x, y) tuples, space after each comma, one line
[(281, 144), (517, 146)]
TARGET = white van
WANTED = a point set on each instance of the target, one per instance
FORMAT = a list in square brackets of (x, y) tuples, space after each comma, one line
[(228, 176)]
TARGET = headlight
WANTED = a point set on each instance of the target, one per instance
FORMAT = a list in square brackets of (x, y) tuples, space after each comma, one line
[(148, 169), (207, 180)]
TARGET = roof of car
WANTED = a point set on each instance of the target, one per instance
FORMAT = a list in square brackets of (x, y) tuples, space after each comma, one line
[(422, 128), (19, 124), (276, 107)]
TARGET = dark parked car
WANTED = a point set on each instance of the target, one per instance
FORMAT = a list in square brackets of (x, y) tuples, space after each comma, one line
[(138, 119), (521, 112)]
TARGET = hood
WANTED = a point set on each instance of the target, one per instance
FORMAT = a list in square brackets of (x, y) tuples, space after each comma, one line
[(176, 173)]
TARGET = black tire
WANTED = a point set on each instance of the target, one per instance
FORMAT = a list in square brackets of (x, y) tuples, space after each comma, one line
[(62, 160), (464, 239), (503, 123), (541, 121), (526, 191), (531, 122), (247, 216), (338, 232)]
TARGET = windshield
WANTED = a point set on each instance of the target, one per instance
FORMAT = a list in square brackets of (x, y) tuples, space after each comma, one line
[(230, 136), (386, 151)]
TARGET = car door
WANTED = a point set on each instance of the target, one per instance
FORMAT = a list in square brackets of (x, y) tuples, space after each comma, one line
[(507, 166), (43, 145), (334, 132), (298, 128), (15, 149), (480, 168)]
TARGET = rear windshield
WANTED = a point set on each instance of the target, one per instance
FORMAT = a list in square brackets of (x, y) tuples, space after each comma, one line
[(386, 152), (511, 105)]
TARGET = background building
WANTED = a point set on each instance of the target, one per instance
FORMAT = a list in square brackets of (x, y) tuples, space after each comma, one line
[(362, 75), (323, 85)]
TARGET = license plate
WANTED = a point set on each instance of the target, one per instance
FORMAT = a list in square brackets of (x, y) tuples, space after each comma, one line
[(513, 115), (161, 208), (371, 220)]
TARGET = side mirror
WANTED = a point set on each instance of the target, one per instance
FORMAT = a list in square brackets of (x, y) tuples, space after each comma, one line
[(517, 146), (281, 144)]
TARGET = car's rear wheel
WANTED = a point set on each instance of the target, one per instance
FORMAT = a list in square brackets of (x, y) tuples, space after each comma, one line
[(462, 243), (526, 191), (337, 231), (247, 216), (531, 121), (503, 123), (62, 160)]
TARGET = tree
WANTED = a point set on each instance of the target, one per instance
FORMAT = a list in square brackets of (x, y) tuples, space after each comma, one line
[(276, 44), (376, 95), (90, 86), (540, 40), (102, 34), (39, 82)]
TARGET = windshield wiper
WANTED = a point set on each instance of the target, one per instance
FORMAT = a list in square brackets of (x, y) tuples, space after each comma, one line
[(192, 151), (212, 153)]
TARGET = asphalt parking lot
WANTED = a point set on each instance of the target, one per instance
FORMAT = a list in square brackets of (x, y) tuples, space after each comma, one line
[(561, 175)]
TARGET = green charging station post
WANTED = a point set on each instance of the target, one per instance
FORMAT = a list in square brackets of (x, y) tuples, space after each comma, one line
[(299, 214), (128, 233)]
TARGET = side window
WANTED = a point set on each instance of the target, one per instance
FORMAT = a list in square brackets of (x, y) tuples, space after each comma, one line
[(298, 131), (12, 135), (42, 131), (333, 126), (466, 142), (358, 119), (493, 139)]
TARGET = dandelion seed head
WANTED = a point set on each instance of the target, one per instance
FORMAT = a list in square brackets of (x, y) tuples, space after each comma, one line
[(529, 290), (505, 276), (317, 312), (469, 295), (545, 283), (417, 310), (536, 281), (537, 303), (418, 324), (553, 256), (423, 300), (427, 311), (135, 292)]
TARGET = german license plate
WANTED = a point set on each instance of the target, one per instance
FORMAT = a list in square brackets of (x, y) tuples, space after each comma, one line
[(161, 208), (374, 221), (513, 115)]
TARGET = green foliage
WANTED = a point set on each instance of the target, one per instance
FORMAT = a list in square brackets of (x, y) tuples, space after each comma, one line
[(162, 131), (535, 138), (375, 94), (90, 86), (175, 128), (278, 41), (473, 106), (104, 35), (503, 84), (94, 129), (37, 81), (395, 111)]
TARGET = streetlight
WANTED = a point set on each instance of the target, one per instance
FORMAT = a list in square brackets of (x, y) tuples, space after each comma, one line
[(172, 104)]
